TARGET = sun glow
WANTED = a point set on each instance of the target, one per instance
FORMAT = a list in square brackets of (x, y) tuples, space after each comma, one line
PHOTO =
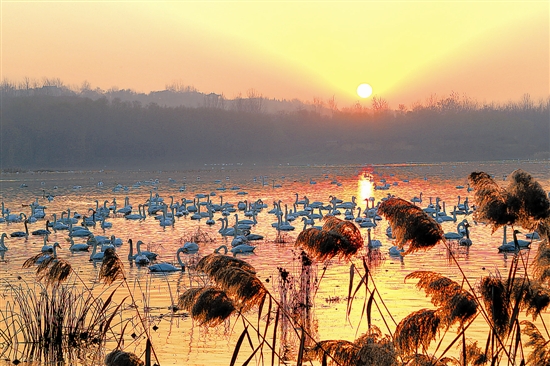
[(365, 187), (364, 90)]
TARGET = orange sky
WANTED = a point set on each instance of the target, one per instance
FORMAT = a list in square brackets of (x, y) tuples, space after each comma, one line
[(407, 50)]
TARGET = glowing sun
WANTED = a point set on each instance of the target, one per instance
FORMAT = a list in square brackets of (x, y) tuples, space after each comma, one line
[(364, 90)]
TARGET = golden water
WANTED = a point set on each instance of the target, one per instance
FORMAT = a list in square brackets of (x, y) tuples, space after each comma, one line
[(178, 340)]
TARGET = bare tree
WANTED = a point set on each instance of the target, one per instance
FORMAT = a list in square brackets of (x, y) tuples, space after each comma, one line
[(255, 100), (332, 105)]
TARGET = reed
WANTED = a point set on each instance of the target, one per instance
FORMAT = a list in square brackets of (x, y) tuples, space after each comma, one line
[(55, 323)]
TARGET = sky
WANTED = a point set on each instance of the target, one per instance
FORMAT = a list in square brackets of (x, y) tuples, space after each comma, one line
[(492, 51)]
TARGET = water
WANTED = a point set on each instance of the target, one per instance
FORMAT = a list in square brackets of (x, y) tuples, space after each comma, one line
[(177, 339)]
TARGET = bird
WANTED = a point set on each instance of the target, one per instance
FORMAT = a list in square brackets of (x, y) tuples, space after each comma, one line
[(372, 243), (42, 231), (459, 234), (46, 257), (21, 234), (46, 247), (167, 267), (190, 247), (243, 248), (395, 251), (3, 246), (80, 247), (416, 199), (95, 256), (514, 245), (144, 257), (465, 241)]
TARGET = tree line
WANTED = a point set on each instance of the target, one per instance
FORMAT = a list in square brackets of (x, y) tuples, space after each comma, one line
[(51, 130)]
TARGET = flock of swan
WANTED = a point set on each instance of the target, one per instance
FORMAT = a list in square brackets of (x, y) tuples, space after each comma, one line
[(201, 207)]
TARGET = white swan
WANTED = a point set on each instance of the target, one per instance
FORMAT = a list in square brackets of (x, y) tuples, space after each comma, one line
[(243, 248), (42, 231), (46, 247), (459, 234), (514, 245), (21, 234), (146, 253), (80, 247), (3, 246), (190, 247), (95, 256), (466, 241), (416, 199), (372, 243), (395, 251), (167, 267), (138, 216), (48, 256)]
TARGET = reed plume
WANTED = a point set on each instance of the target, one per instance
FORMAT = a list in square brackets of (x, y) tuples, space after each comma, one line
[(420, 359), (541, 347), (369, 349), (416, 329), (474, 355), (493, 293), (343, 352), (112, 268), (122, 358), (236, 277), (456, 304), (411, 225), (336, 238), (376, 349), (524, 202), (243, 287), (212, 263), (207, 305), (541, 262), (532, 296), (490, 201), (528, 199), (52, 271)]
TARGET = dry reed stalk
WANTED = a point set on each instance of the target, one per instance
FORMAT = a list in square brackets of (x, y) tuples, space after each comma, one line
[(456, 304), (336, 238), (416, 330), (524, 202), (122, 358), (533, 297), (493, 293), (112, 268), (212, 263), (208, 305), (541, 262), (411, 225), (541, 347)]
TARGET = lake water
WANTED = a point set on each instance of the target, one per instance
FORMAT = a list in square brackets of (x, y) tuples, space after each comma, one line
[(177, 339)]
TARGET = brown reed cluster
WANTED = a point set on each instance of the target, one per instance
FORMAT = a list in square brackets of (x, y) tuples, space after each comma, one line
[(236, 287), (540, 354), (523, 202), (455, 304), (337, 237), (503, 296), (51, 270), (112, 268), (372, 348), (122, 358), (411, 225)]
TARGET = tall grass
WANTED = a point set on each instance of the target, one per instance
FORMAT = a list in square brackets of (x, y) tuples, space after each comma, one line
[(425, 336)]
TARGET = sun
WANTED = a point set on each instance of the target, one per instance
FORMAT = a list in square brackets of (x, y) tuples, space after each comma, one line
[(364, 90)]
